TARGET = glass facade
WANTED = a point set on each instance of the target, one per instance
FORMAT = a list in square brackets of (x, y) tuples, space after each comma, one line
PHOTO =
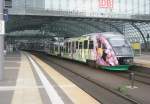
[(37, 4), (135, 32), (132, 7)]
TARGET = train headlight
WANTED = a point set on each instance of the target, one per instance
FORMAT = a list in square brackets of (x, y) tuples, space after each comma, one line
[(128, 61)]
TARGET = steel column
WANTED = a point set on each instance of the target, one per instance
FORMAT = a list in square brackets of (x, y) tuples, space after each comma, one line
[(1, 42)]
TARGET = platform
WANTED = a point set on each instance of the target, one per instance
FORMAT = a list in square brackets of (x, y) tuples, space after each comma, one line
[(142, 60), (28, 80)]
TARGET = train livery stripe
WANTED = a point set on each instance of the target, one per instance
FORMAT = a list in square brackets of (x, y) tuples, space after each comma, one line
[(51, 92)]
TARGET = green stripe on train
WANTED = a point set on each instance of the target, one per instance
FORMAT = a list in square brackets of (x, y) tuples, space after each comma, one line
[(120, 67)]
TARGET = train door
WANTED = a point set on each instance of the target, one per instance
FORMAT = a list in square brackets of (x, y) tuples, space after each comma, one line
[(73, 49), (77, 51), (90, 50), (60, 50), (66, 49), (102, 52), (85, 50), (70, 53), (80, 51)]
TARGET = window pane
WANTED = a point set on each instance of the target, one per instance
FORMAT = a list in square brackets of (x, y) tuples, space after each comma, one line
[(85, 44), (76, 44), (91, 46), (80, 45)]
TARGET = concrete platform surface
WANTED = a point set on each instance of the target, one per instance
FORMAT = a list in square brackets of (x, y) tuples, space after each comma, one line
[(143, 60), (28, 80)]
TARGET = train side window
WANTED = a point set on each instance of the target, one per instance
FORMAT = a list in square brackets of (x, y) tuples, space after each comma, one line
[(85, 44), (77, 43), (64, 48), (91, 45), (73, 47), (56, 48), (99, 44), (103, 46), (69, 47), (80, 45)]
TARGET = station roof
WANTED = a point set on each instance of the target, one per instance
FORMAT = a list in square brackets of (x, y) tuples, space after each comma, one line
[(51, 26)]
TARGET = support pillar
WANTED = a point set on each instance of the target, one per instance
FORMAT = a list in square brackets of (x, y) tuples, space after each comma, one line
[(1, 40)]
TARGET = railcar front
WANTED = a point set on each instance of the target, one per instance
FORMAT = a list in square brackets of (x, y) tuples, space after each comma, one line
[(114, 52)]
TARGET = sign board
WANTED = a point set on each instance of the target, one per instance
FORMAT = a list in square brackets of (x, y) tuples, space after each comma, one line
[(106, 3), (2, 27), (136, 45)]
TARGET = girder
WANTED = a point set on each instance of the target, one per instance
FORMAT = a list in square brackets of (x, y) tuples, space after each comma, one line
[(67, 26), (139, 30), (76, 26), (64, 27)]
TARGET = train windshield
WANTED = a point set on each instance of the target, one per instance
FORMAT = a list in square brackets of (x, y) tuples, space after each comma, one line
[(121, 46), (118, 42)]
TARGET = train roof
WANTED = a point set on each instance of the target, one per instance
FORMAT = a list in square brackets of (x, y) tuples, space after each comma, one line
[(105, 34), (112, 34)]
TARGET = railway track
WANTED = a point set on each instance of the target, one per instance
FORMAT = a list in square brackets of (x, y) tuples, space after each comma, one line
[(139, 77), (107, 94)]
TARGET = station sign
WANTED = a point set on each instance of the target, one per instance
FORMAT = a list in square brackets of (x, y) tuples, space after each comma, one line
[(136, 45), (106, 3), (2, 27)]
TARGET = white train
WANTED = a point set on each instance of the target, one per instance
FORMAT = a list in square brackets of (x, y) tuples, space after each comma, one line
[(109, 50)]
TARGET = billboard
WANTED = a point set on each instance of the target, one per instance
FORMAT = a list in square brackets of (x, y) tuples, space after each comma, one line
[(106, 3)]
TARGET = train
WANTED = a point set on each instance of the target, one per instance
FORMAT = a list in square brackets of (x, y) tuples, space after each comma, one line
[(108, 50)]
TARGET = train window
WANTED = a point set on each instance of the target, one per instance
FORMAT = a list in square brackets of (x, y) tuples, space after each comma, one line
[(64, 49), (80, 45), (69, 47), (52, 48), (77, 44), (56, 48), (61, 48), (103, 46), (85, 44), (72, 44), (118, 42), (99, 44), (73, 47), (91, 45)]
